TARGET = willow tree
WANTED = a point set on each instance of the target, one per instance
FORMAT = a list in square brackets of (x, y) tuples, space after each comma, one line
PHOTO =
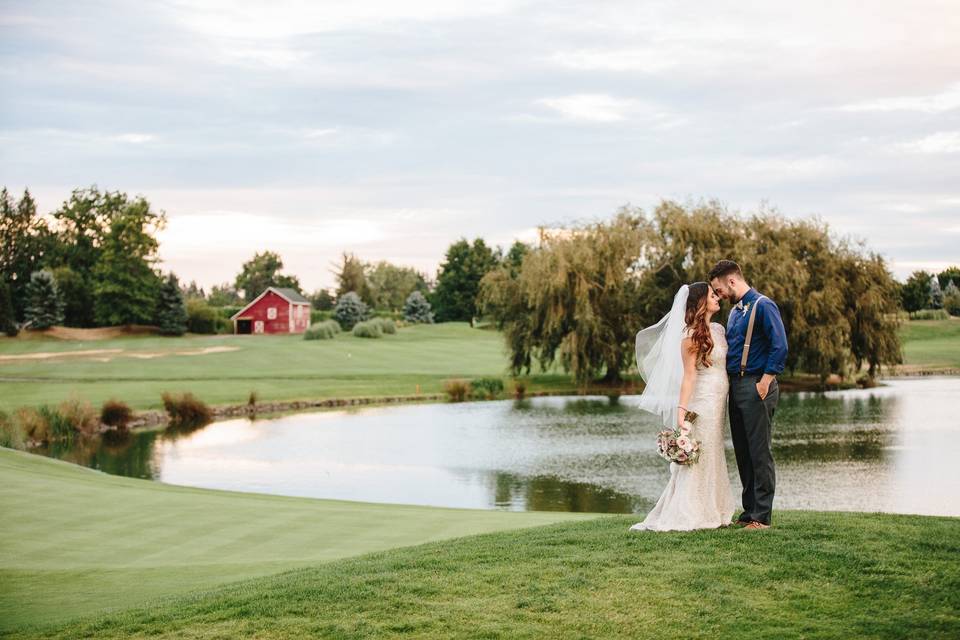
[(573, 299)]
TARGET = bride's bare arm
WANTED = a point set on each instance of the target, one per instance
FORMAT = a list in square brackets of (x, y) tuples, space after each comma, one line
[(689, 378)]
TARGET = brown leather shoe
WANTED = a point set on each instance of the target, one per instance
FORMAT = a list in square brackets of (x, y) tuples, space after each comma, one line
[(757, 525)]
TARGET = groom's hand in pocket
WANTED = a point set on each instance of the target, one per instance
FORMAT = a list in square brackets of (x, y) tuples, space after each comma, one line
[(763, 386)]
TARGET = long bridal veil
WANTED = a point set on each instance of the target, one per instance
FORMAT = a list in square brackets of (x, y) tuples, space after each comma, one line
[(660, 362)]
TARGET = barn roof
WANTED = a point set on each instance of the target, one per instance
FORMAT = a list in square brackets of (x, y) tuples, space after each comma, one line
[(290, 295)]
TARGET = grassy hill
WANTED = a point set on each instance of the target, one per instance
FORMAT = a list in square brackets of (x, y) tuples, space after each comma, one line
[(815, 575), (77, 541), (931, 344)]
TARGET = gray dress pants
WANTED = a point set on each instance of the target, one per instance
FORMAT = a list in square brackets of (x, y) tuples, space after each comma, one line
[(751, 422)]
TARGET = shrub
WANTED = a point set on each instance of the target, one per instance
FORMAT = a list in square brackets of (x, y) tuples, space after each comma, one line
[(325, 330), (488, 388), (186, 410), (457, 390), (350, 310), (519, 389), (32, 424), (387, 325), (368, 329), (930, 314), (80, 416), (417, 309), (58, 427), (10, 434), (319, 316), (201, 317), (951, 299), (115, 414)]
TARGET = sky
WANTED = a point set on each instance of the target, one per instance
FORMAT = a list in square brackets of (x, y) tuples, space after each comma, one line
[(391, 129)]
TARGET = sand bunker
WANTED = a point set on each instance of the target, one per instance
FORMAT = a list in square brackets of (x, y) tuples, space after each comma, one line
[(105, 355)]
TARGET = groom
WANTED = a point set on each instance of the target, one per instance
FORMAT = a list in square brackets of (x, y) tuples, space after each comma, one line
[(757, 352)]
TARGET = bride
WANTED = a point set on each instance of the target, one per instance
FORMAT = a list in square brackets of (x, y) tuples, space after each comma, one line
[(682, 360)]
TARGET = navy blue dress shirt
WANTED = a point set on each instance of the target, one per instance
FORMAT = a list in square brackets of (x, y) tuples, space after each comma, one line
[(768, 348)]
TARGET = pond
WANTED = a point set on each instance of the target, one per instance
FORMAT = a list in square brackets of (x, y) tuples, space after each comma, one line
[(895, 448)]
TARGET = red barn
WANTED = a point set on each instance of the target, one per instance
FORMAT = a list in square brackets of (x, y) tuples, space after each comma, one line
[(274, 311)]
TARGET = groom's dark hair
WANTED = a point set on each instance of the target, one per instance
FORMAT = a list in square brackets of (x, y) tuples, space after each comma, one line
[(723, 269)]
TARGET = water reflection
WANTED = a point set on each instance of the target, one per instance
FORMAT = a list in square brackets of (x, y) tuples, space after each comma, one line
[(886, 449)]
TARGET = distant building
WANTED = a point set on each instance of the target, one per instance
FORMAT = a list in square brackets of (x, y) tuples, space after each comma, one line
[(275, 310)]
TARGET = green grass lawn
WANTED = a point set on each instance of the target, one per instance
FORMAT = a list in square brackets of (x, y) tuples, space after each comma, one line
[(77, 541), (276, 367), (290, 368), (931, 343), (98, 541)]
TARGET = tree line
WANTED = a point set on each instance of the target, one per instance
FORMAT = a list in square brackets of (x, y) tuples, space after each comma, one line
[(577, 297)]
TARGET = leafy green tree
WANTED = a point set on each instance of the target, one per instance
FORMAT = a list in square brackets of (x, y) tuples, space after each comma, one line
[(201, 317), (126, 286), (390, 285), (416, 309), (951, 298), (24, 242), (350, 310), (193, 291), (575, 298), (262, 271), (458, 280), (171, 312), (77, 295), (915, 293), (224, 295), (8, 320), (948, 274), (351, 275), (322, 300), (870, 306), (44, 307)]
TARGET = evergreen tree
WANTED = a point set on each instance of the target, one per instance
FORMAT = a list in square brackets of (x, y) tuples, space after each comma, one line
[(915, 293), (171, 311), (8, 320), (936, 293), (948, 274), (458, 281), (24, 240), (44, 307), (350, 310), (417, 309)]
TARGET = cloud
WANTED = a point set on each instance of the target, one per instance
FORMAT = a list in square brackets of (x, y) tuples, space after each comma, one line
[(946, 100), (941, 142), (605, 108)]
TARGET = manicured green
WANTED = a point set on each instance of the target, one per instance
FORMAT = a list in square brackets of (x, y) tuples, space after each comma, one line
[(814, 575), (79, 542), (932, 344), (276, 367)]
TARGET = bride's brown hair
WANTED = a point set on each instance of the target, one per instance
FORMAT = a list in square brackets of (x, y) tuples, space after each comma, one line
[(696, 319)]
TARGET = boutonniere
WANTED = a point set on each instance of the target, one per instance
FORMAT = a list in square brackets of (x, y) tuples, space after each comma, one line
[(746, 308)]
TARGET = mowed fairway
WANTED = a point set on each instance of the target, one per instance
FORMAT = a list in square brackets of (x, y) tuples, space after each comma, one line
[(932, 344), (79, 542), (138, 369), (814, 575)]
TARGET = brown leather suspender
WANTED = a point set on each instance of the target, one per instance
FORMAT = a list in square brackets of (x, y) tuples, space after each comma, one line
[(746, 341)]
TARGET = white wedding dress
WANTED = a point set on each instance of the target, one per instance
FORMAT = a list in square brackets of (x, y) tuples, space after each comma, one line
[(698, 496)]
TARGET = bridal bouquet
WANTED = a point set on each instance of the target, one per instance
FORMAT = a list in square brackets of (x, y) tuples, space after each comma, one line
[(679, 447)]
